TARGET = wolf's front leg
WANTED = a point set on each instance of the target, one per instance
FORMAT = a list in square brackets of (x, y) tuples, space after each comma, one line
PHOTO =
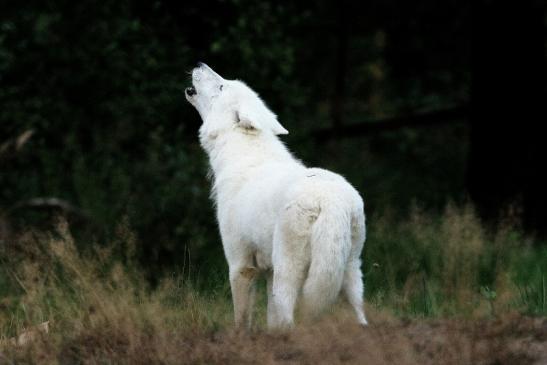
[(242, 280)]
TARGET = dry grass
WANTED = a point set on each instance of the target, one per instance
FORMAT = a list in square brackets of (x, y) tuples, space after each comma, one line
[(101, 309)]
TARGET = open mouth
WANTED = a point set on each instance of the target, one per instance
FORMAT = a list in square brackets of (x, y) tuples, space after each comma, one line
[(190, 91)]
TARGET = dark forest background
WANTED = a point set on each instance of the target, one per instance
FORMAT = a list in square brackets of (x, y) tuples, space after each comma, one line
[(415, 103)]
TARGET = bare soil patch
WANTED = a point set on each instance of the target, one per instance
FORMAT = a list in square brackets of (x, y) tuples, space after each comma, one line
[(511, 340)]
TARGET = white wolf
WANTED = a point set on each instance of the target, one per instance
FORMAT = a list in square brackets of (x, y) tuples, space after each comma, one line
[(304, 227)]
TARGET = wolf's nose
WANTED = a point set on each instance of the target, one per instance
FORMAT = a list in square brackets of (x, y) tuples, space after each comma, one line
[(201, 64), (190, 91)]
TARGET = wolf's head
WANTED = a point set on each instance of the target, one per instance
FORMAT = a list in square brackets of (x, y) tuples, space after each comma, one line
[(226, 105)]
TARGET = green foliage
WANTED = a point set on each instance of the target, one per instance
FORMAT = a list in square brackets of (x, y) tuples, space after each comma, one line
[(530, 274), (101, 86)]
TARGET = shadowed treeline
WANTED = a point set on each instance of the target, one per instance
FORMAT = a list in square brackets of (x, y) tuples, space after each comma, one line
[(404, 99)]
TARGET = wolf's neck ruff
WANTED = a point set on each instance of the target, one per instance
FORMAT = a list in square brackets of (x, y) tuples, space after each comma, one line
[(234, 155)]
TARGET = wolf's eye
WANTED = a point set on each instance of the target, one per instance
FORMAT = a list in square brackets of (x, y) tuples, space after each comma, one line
[(221, 86)]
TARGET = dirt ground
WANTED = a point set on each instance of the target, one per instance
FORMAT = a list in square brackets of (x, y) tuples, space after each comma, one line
[(512, 340)]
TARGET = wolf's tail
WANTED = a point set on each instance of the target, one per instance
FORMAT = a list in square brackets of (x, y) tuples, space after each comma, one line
[(330, 249)]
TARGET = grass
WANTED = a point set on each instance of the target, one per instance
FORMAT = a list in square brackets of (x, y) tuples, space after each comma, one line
[(452, 265), (96, 299), (102, 310)]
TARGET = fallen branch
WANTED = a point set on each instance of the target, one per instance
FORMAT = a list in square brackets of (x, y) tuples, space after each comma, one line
[(50, 203), (434, 118)]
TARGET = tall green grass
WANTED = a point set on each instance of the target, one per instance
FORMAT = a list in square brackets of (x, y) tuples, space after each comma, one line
[(450, 264)]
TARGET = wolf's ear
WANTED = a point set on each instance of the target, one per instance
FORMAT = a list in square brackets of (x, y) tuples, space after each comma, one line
[(256, 115)]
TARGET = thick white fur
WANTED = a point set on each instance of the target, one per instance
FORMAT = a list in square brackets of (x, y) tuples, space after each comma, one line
[(304, 227)]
